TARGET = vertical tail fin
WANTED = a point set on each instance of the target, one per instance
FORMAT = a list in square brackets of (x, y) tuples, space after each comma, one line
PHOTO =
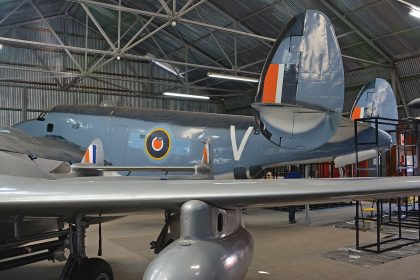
[(94, 154), (301, 90), (376, 99), (205, 159), (204, 170)]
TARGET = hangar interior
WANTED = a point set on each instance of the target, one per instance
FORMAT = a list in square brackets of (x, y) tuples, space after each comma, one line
[(141, 54), (84, 52)]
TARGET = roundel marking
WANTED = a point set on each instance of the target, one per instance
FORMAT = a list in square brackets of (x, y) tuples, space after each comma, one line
[(157, 144)]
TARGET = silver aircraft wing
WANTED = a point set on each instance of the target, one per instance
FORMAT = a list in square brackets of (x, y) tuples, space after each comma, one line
[(94, 195)]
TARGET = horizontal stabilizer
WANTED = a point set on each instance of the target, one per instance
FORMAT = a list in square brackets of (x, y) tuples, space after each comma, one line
[(344, 160), (301, 91), (90, 169), (414, 104), (97, 170)]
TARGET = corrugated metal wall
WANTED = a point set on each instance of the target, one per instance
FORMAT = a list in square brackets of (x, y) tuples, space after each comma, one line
[(120, 82), (408, 71)]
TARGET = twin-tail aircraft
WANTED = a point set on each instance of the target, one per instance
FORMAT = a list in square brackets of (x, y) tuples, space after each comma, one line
[(298, 104)]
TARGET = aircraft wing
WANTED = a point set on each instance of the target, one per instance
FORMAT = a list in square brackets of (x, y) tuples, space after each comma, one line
[(130, 194), (16, 141)]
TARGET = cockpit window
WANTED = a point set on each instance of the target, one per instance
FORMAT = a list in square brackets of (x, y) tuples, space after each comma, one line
[(42, 116)]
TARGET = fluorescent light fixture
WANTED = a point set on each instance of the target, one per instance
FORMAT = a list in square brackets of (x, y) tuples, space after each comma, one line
[(232, 77), (415, 13), (415, 10), (185, 95)]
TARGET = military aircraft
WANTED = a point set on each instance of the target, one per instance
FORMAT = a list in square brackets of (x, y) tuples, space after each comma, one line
[(298, 106), (135, 137)]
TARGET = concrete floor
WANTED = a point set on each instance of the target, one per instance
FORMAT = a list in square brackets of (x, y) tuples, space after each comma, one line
[(282, 251)]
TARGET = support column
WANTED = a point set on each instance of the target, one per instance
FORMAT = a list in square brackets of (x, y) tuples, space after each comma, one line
[(356, 222), (308, 220), (378, 225), (397, 87), (24, 111)]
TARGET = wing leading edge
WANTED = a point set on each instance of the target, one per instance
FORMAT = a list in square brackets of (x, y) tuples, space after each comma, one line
[(129, 194)]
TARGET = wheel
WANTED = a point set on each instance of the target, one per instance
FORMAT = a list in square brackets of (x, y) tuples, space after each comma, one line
[(92, 269)]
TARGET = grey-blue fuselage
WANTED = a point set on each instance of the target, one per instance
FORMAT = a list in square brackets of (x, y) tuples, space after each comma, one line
[(236, 146)]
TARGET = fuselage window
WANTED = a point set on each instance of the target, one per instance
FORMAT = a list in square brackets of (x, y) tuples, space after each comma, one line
[(50, 127)]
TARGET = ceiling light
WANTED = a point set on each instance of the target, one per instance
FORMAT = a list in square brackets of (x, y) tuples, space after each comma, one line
[(118, 57), (232, 77), (415, 13), (415, 10), (185, 95)]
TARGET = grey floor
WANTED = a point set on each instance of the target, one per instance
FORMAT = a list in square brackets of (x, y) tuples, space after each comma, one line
[(282, 251)]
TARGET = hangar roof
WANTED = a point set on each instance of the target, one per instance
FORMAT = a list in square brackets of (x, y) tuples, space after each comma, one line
[(232, 36)]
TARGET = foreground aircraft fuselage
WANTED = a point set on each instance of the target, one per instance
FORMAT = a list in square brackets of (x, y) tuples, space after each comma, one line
[(171, 138)]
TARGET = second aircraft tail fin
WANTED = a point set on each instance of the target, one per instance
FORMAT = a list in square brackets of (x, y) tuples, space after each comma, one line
[(205, 159), (94, 154), (376, 99)]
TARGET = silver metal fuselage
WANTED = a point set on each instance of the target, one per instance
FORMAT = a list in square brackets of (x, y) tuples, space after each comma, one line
[(124, 131)]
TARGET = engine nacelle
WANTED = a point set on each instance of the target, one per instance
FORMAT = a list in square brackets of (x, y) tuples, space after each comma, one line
[(213, 245)]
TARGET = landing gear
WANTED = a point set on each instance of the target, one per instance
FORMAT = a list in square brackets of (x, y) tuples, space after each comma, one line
[(92, 269), (78, 265), (168, 234)]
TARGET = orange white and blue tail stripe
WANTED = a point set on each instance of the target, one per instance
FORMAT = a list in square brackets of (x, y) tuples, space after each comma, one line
[(90, 155), (94, 154)]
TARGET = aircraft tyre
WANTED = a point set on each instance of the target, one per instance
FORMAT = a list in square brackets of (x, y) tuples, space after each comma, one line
[(92, 269)]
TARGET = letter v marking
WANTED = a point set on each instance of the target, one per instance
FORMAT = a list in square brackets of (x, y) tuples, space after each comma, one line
[(237, 153)]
